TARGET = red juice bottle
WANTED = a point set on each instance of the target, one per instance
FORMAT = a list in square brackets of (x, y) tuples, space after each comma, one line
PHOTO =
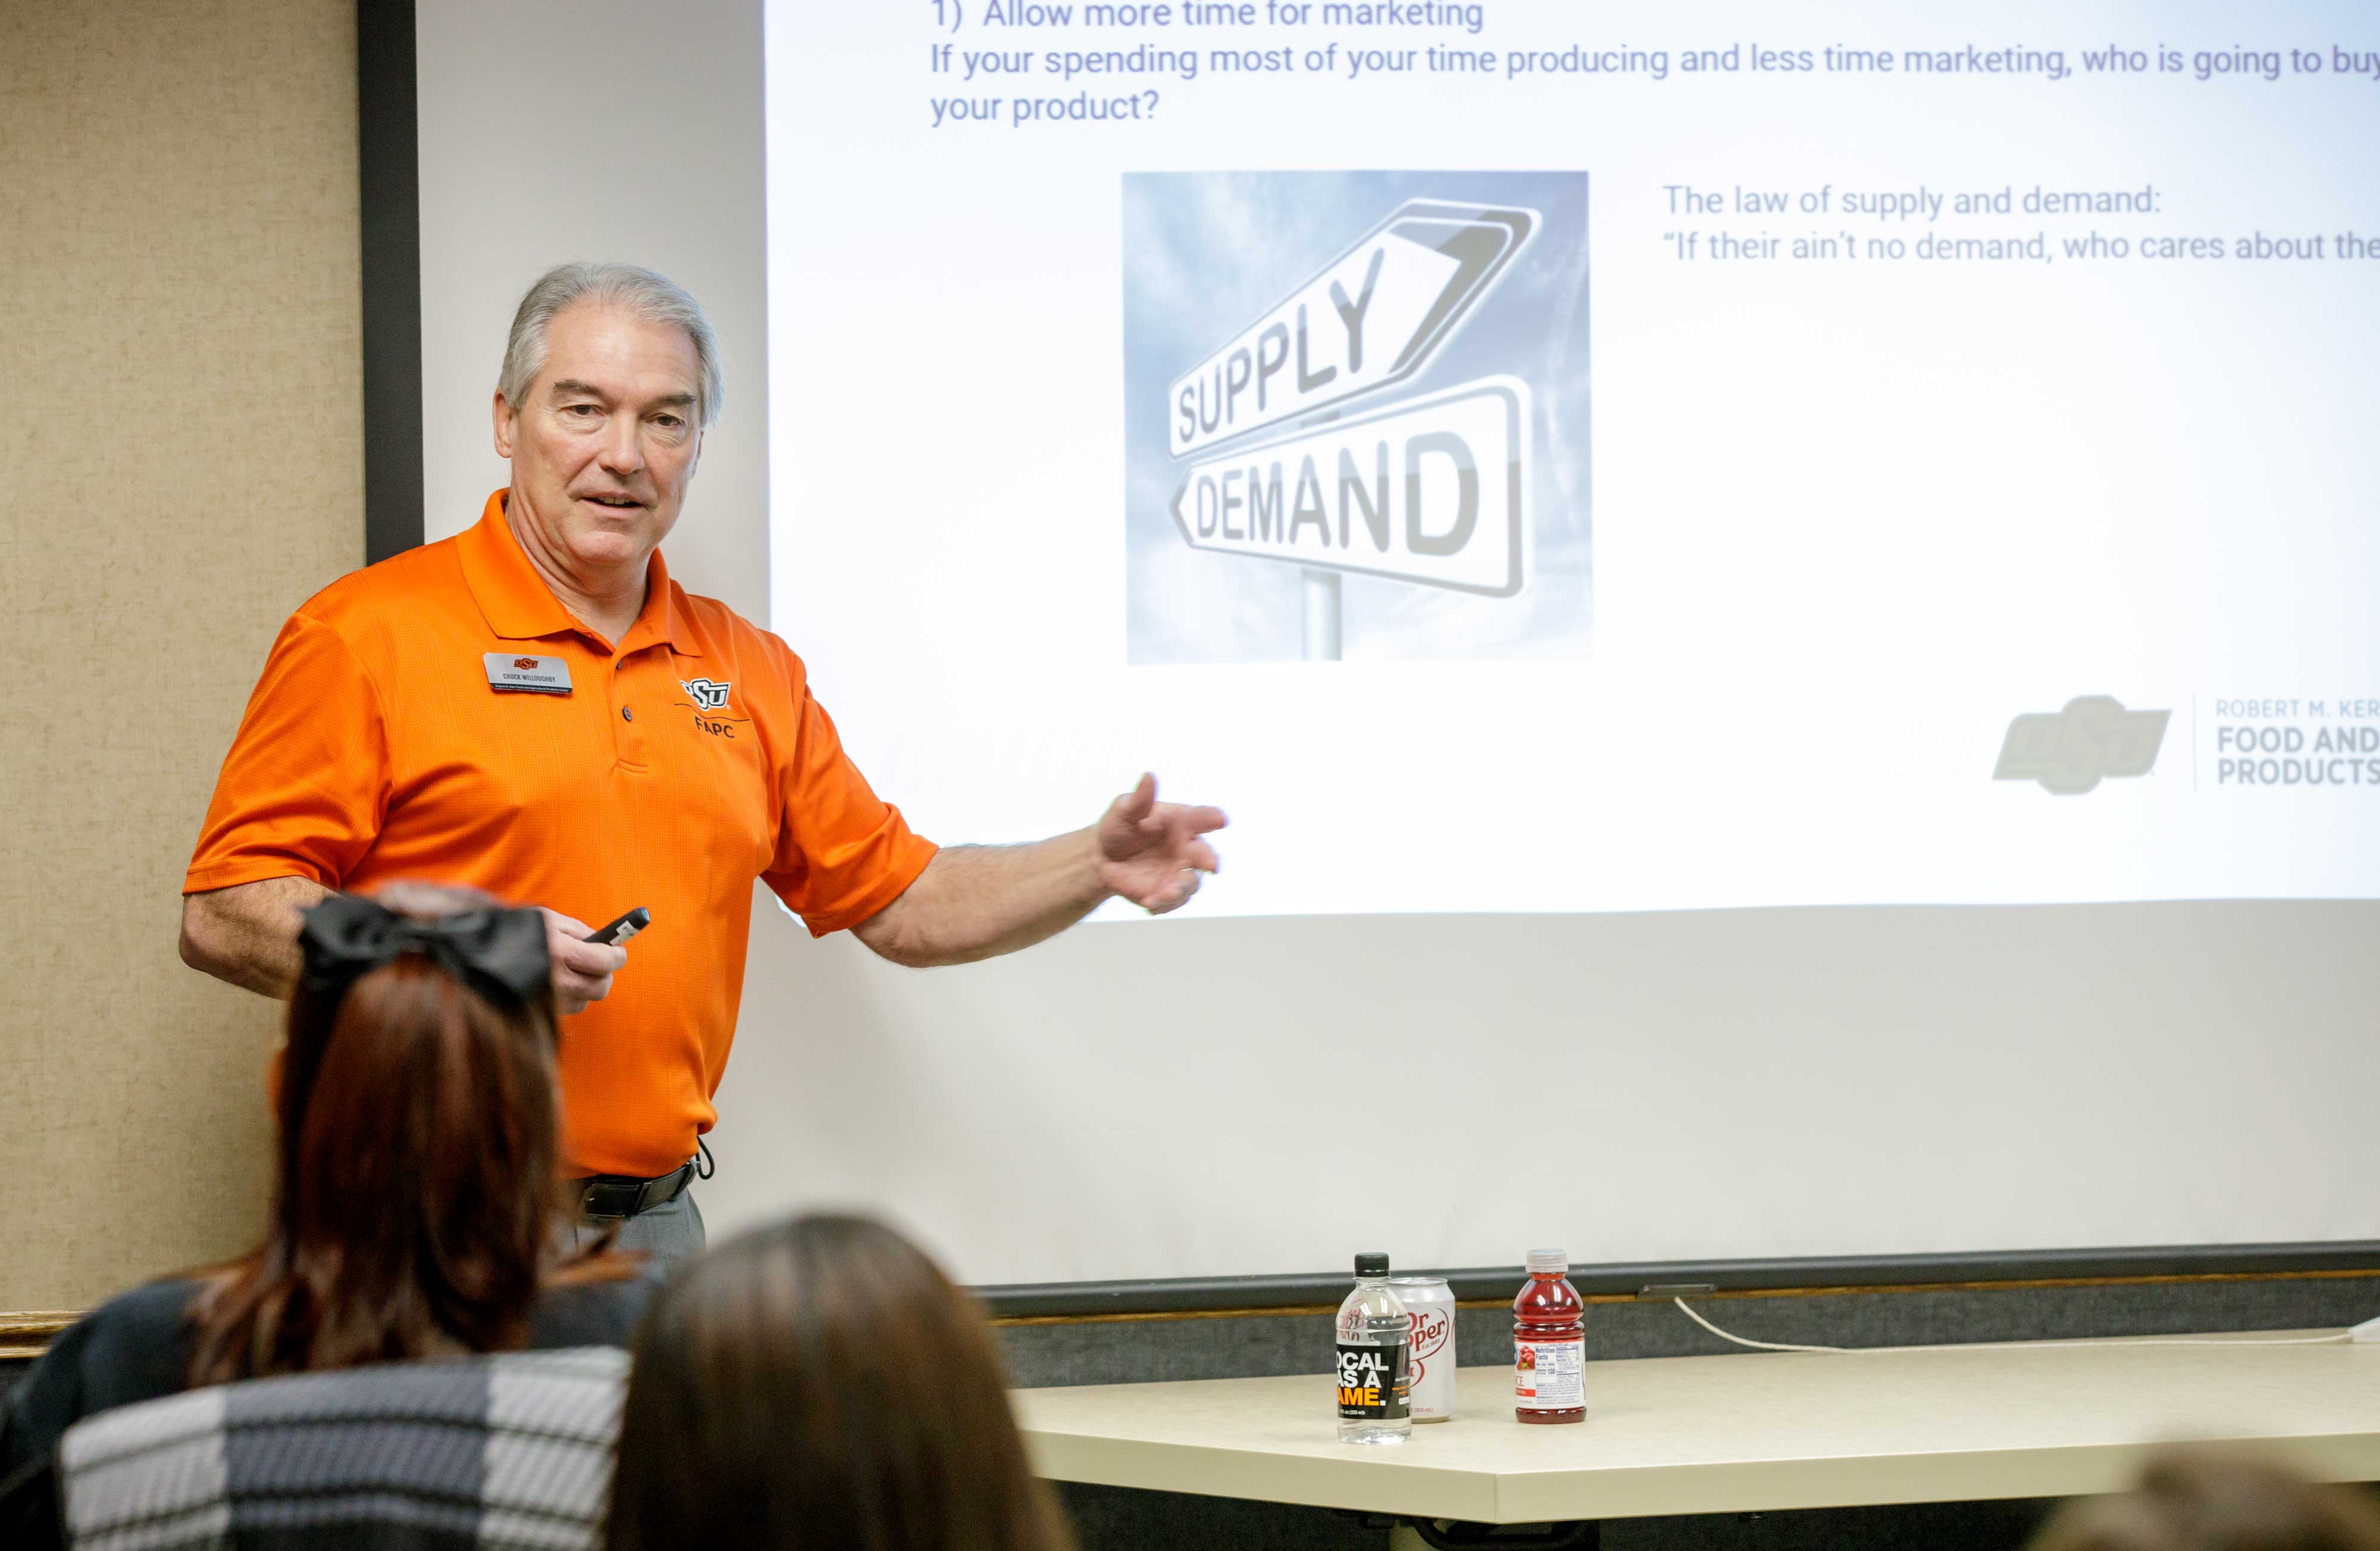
[(1549, 1344)]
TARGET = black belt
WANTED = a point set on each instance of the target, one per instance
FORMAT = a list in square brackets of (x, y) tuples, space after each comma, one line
[(625, 1196)]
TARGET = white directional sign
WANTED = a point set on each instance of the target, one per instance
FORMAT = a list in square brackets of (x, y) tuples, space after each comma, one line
[(1431, 490), (1371, 318)]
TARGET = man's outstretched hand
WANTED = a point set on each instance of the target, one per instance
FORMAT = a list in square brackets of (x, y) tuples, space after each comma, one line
[(1152, 853), (972, 902)]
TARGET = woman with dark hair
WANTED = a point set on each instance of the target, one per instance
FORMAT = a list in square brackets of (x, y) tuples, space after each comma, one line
[(822, 1383), (417, 1184)]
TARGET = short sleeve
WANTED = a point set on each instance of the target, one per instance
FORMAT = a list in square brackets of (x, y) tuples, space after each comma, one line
[(135, 1347), (843, 852), (45, 1403), (304, 788)]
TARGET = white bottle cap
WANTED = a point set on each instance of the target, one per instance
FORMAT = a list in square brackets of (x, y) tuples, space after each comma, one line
[(1543, 1262)]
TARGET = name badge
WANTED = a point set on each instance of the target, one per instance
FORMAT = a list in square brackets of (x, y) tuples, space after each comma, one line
[(508, 673)]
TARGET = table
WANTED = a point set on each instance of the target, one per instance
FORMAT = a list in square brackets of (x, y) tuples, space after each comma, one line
[(1734, 1434)]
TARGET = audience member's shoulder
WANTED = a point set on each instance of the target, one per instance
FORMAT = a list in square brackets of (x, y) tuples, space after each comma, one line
[(133, 1329), (594, 1315), (134, 1347)]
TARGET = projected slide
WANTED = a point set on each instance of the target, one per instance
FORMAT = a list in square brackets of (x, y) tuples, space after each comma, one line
[(1306, 436), (1529, 456)]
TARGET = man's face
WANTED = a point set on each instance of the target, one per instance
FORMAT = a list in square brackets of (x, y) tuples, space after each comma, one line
[(604, 444)]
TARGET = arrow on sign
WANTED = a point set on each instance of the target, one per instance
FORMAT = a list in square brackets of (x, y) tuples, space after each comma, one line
[(1370, 319), (1432, 489)]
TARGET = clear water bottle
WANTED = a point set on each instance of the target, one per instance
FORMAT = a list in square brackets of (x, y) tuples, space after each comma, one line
[(1374, 1342)]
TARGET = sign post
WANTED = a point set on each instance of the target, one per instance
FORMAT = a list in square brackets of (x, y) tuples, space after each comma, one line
[(1321, 615)]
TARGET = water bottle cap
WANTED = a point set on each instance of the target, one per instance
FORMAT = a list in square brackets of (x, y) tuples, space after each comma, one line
[(1372, 1264), (1548, 1261)]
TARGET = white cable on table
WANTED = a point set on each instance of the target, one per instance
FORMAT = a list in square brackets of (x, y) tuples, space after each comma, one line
[(2338, 1339)]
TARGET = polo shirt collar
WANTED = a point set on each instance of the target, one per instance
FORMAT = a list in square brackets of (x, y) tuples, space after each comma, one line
[(519, 605)]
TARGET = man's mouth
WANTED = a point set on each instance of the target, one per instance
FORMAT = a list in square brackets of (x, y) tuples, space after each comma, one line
[(617, 502)]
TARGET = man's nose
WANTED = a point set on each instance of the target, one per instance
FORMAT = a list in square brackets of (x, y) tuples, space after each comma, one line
[(623, 451)]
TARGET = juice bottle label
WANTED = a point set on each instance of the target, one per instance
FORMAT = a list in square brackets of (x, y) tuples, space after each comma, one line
[(1550, 1375), (1372, 1384)]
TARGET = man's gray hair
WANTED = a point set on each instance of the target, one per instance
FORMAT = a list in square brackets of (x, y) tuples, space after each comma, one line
[(648, 295)]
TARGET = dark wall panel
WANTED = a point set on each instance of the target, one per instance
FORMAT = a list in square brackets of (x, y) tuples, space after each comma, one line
[(389, 150)]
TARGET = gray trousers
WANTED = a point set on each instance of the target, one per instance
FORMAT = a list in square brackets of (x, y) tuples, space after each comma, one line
[(667, 1236)]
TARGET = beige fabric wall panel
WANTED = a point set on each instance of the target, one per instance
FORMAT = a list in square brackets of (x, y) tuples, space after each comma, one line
[(179, 388)]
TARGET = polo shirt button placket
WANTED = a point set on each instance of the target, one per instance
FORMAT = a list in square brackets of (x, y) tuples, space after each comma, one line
[(629, 738)]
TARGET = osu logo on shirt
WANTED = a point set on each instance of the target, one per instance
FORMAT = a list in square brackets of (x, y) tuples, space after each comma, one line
[(524, 664), (706, 694)]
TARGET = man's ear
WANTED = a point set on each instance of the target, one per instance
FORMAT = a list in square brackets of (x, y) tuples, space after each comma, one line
[(502, 415)]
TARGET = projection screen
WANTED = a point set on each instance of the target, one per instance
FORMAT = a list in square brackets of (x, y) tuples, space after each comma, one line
[(1780, 598)]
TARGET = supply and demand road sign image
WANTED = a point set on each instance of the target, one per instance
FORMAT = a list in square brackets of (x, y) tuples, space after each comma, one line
[(1370, 319), (1431, 490), (1356, 415)]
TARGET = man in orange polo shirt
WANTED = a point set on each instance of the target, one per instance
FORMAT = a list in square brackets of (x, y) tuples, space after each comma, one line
[(535, 708)]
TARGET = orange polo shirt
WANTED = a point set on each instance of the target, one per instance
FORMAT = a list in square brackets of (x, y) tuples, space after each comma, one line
[(681, 764)]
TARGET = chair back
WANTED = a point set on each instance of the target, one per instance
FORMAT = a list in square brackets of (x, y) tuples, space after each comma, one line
[(510, 1451)]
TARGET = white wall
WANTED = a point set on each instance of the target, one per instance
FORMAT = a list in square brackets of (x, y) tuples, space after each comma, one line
[(601, 129), (1253, 1095)]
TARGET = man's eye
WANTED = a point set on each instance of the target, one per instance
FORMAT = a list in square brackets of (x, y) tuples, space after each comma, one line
[(581, 410), (668, 423)]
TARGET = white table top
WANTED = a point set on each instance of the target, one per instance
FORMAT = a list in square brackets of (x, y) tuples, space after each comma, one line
[(1734, 1434)]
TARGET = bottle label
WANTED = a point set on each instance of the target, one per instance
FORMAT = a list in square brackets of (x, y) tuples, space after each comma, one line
[(1550, 1375), (1372, 1383)]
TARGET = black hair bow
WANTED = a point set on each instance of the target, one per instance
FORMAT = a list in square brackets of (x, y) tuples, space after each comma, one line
[(498, 953)]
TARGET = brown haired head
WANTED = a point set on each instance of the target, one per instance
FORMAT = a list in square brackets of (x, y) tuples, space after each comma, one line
[(417, 1179), (2208, 1498), (822, 1383)]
